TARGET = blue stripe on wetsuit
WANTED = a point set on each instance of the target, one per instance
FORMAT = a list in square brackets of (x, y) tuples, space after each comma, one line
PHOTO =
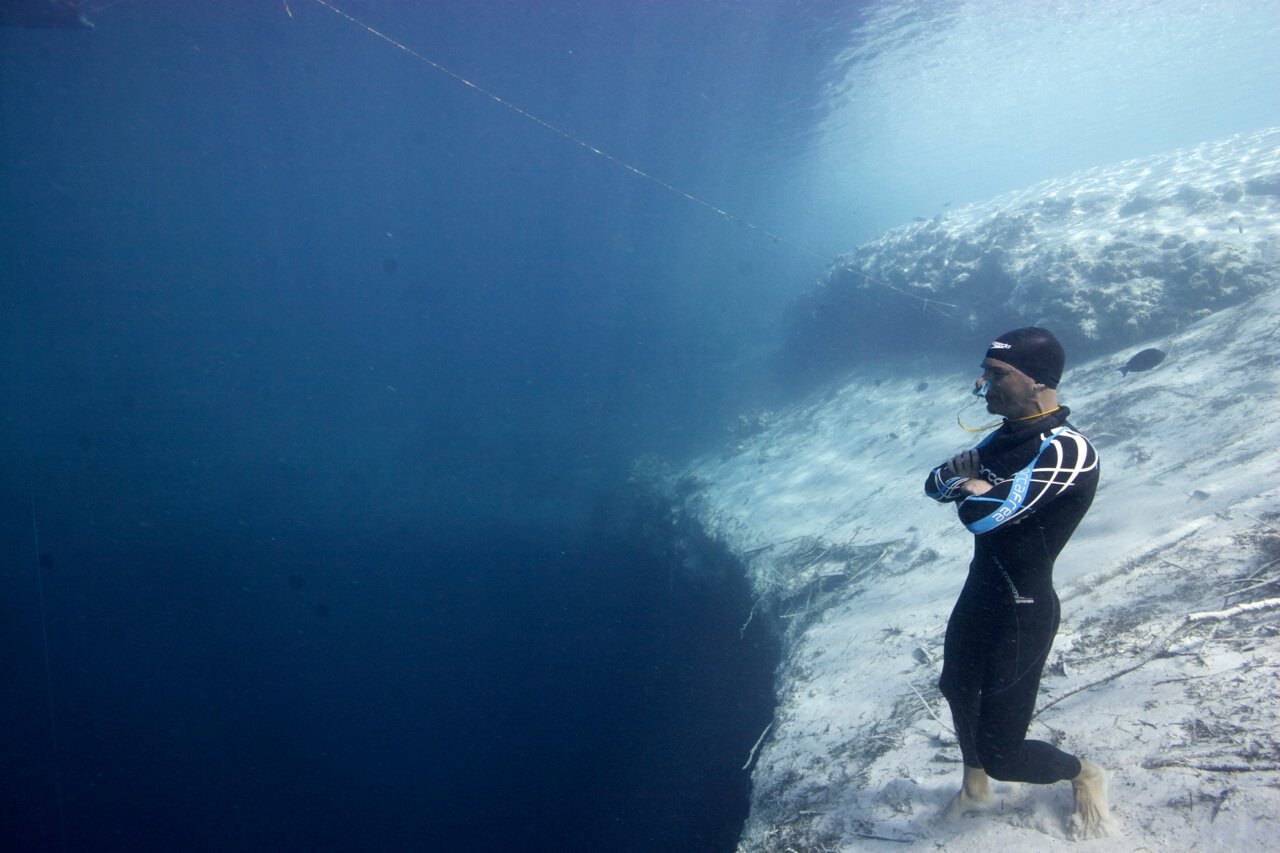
[(1019, 489)]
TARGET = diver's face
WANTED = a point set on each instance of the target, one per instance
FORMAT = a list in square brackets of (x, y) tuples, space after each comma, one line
[(1010, 392)]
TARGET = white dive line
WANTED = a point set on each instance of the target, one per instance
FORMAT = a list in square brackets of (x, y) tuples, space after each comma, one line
[(498, 99)]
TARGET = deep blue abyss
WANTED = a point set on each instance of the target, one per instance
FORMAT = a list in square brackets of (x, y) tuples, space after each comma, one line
[(323, 378), (493, 689)]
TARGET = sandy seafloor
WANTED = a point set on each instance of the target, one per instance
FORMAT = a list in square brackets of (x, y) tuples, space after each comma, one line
[(825, 508)]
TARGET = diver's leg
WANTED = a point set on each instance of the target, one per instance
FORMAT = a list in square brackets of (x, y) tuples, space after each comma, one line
[(1002, 745), (1011, 683), (961, 684)]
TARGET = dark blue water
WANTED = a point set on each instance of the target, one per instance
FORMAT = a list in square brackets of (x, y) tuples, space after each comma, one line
[(322, 378), (322, 375)]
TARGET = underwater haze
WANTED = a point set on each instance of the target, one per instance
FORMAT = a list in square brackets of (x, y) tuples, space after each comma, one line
[(331, 337)]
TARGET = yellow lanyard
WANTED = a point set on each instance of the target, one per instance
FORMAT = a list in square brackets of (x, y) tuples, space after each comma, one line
[(998, 423)]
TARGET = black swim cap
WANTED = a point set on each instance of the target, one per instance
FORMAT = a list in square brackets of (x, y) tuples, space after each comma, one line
[(1034, 351)]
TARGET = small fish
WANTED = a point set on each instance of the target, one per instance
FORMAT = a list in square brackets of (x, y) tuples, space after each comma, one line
[(1144, 360)]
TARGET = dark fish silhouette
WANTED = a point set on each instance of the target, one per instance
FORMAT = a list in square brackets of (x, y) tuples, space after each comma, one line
[(1144, 360)]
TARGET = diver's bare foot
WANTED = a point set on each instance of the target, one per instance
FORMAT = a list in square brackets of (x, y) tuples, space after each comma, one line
[(1091, 818), (974, 794)]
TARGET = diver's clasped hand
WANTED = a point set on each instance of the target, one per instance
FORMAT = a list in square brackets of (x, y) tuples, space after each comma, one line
[(965, 464), (968, 465)]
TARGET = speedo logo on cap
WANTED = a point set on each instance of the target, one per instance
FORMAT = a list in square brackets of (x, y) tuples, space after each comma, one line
[(1000, 345)]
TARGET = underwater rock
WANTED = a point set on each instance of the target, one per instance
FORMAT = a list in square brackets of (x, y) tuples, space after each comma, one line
[(1106, 258)]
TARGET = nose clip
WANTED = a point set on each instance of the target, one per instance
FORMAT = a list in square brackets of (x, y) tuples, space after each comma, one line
[(981, 390)]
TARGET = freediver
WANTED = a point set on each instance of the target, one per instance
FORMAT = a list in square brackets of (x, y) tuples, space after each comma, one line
[(1021, 492)]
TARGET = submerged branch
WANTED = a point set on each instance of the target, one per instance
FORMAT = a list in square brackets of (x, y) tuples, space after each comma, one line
[(1159, 647)]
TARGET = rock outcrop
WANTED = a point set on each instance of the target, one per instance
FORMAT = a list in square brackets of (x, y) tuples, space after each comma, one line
[(1105, 257)]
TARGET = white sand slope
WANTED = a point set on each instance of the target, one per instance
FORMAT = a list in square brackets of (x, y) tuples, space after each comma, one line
[(826, 509)]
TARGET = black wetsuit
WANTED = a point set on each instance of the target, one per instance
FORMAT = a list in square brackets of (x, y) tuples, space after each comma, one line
[(1044, 475)]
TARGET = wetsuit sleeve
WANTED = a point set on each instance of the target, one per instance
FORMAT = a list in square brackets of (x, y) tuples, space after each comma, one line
[(1064, 458), (943, 486)]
